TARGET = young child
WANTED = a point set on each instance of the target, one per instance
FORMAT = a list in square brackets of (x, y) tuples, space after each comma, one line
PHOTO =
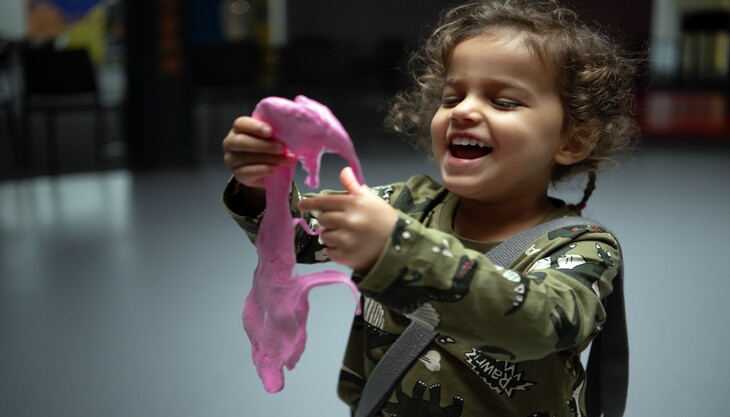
[(512, 95)]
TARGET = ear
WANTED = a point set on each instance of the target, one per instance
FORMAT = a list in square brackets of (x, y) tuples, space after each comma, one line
[(575, 148)]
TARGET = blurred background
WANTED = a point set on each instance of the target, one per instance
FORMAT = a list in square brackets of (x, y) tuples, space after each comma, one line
[(122, 279)]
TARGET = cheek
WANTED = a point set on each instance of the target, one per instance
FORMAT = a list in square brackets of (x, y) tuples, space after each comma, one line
[(437, 123), (544, 127), (555, 125), (554, 118), (438, 130)]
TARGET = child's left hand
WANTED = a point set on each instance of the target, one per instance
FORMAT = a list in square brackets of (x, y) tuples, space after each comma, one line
[(357, 224)]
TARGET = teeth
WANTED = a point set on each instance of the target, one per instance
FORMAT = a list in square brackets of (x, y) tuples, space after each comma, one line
[(469, 142)]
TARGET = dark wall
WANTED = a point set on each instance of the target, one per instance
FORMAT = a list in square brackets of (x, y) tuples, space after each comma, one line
[(356, 44), (628, 19), (357, 38), (331, 42), (360, 22), (157, 108)]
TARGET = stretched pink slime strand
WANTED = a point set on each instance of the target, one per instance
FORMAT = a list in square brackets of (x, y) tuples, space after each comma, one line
[(276, 309)]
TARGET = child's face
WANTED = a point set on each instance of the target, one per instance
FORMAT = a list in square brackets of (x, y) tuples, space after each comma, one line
[(503, 98)]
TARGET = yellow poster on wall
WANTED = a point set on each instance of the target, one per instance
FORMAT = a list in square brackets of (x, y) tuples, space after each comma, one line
[(71, 24)]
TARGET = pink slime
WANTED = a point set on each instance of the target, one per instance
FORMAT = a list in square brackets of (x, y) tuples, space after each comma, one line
[(275, 311)]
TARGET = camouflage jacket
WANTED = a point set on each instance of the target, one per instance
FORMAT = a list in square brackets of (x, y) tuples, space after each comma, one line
[(509, 339)]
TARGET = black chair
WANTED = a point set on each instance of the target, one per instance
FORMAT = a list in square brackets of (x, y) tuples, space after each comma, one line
[(58, 81)]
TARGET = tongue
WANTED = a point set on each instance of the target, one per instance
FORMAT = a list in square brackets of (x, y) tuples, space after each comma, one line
[(469, 152)]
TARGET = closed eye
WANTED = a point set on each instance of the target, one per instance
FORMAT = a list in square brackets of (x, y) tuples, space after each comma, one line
[(450, 101), (506, 104)]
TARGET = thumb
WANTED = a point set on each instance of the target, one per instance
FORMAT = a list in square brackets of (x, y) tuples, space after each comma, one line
[(348, 179)]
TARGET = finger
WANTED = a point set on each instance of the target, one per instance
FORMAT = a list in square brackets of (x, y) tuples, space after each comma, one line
[(253, 175), (334, 202), (234, 160), (333, 241), (331, 220), (337, 248), (252, 126), (236, 142), (350, 182)]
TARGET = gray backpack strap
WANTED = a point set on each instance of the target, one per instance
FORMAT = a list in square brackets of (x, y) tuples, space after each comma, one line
[(416, 337), (506, 252), (608, 363), (391, 367)]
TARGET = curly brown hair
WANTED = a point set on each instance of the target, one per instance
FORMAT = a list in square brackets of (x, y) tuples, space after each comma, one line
[(595, 76)]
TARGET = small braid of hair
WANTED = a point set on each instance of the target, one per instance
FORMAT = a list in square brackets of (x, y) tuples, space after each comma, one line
[(587, 192)]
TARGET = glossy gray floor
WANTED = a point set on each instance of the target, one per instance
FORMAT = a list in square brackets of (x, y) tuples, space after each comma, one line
[(121, 293)]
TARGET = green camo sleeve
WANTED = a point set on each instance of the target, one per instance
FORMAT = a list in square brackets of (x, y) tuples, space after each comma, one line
[(550, 299)]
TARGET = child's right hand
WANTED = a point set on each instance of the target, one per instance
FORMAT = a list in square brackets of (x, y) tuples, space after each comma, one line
[(250, 152)]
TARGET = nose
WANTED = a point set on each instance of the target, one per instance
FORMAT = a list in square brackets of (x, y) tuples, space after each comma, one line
[(467, 110)]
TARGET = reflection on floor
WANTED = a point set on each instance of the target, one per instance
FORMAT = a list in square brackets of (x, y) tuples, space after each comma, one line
[(121, 293)]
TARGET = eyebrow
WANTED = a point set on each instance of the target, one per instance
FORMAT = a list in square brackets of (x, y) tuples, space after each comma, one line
[(499, 82)]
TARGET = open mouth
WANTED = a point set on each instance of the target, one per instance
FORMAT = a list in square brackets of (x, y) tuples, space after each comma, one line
[(464, 148)]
